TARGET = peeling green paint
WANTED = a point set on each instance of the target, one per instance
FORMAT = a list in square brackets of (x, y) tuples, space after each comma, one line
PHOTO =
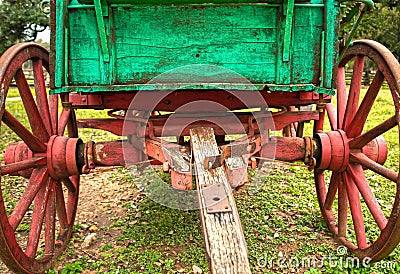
[(127, 43)]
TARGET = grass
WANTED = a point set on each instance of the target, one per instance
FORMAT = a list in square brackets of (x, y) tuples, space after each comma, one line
[(281, 222)]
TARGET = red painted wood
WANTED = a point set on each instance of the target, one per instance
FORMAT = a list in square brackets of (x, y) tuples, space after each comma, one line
[(63, 121), (22, 165), (38, 178), (71, 205), (366, 151), (31, 140), (356, 211), (53, 105), (341, 96), (360, 158), (69, 184), (39, 208), (357, 173), (332, 190), (50, 220), (332, 116), (41, 94), (181, 181), (71, 124), (113, 153), (357, 124), (180, 125), (343, 204), (170, 101), (60, 207), (288, 149), (112, 125), (35, 120), (354, 92), (366, 137)]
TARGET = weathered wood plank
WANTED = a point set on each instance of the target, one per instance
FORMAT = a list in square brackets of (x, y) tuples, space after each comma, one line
[(225, 243)]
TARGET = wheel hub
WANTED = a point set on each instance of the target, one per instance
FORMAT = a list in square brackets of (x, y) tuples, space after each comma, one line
[(16, 153), (335, 150), (62, 156)]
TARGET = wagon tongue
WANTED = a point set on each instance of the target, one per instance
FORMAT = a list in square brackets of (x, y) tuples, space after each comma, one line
[(219, 215)]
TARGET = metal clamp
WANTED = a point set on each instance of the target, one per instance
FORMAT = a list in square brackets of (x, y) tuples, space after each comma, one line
[(88, 157)]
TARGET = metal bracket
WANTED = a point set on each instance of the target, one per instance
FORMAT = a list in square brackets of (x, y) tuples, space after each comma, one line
[(180, 159), (229, 151), (79, 99), (215, 198)]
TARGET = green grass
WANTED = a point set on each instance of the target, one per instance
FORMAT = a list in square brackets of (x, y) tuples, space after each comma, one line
[(281, 222)]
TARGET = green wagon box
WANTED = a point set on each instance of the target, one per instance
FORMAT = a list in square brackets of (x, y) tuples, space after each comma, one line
[(277, 45)]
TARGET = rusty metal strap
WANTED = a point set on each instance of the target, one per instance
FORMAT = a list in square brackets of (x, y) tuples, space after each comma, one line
[(215, 198)]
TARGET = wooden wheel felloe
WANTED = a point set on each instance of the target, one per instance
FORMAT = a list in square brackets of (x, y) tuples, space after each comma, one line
[(36, 225), (357, 180)]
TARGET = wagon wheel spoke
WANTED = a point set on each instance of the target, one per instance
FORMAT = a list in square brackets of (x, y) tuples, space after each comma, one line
[(72, 197), (30, 140), (332, 189), (356, 212), (357, 173), (354, 92), (357, 124), (60, 206), (69, 184), (22, 165), (63, 121), (332, 115), (72, 129), (53, 105), (35, 120), (39, 209), (343, 204), (371, 134), (362, 159), (50, 220), (341, 96), (41, 94), (38, 178)]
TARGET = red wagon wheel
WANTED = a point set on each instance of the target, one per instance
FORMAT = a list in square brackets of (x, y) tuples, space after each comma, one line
[(358, 177), (35, 226)]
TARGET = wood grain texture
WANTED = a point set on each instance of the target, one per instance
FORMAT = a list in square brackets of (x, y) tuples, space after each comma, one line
[(226, 246), (148, 40)]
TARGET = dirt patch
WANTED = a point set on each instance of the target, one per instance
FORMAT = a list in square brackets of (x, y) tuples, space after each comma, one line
[(102, 196)]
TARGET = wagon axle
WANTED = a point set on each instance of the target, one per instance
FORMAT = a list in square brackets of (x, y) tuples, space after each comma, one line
[(70, 156)]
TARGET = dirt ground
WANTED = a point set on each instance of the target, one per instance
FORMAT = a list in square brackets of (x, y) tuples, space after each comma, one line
[(101, 197)]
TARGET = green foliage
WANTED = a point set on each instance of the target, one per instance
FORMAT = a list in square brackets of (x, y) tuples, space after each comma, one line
[(21, 20), (381, 25), (76, 267)]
